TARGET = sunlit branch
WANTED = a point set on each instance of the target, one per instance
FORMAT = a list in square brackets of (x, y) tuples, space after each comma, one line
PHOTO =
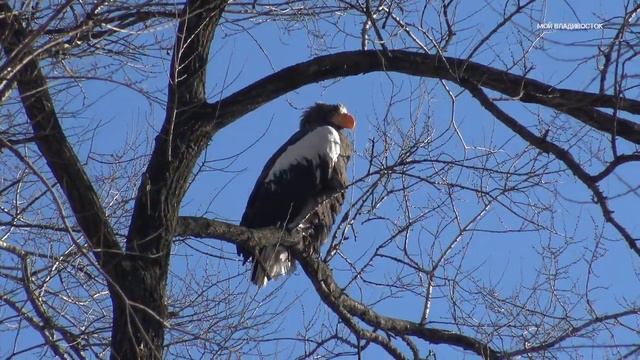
[(322, 278), (578, 104), (575, 330)]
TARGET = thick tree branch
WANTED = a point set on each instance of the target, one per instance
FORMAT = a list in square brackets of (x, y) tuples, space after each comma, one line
[(578, 104), (322, 278), (191, 52), (52, 142), (332, 295), (575, 331), (199, 227)]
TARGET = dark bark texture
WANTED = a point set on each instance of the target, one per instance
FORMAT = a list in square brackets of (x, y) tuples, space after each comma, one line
[(137, 275), (142, 277), (349, 310)]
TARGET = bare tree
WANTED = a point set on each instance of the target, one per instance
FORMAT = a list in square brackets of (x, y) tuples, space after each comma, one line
[(495, 234)]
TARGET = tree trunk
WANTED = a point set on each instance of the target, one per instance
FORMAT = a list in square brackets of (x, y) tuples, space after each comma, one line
[(141, 277), (138, 309)]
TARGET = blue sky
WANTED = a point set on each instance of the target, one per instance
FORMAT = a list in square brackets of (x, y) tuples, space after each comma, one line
[(506, 261), (366, 97)]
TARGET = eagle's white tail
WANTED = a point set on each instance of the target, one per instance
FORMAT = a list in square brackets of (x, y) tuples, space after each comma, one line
[(277, 261)]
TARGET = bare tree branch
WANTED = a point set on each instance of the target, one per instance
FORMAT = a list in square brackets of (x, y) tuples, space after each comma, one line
[(437, 187), (331, 293), (53, 143), (579, 104), (561, 154)]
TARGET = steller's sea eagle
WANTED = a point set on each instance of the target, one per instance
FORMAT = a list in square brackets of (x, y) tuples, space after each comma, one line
[(301, 186)]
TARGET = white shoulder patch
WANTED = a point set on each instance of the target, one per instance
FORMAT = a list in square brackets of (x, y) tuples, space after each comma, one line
[(322, 142)]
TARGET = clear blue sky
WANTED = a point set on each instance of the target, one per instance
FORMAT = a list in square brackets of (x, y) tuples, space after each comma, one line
[(509, 259), (366, 96)]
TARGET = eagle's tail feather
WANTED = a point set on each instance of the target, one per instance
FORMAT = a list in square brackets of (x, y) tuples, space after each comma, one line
[(277, 261)]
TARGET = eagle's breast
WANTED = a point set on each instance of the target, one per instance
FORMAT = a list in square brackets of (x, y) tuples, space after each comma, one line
[(322, 143)]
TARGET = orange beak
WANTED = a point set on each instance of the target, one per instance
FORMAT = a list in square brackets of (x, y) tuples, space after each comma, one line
[(345, 121)]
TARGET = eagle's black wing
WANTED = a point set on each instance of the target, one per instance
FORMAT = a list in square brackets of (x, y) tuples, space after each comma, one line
[(275, 206), (327, 203), (308, 193)]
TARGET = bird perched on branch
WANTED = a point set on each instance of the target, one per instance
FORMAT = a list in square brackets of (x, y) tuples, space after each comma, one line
[(300, 188)]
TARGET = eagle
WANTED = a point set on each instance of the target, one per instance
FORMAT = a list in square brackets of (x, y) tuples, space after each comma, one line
[(301, 187)]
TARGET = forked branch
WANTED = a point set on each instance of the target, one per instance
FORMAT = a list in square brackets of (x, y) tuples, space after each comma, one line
[(321, 276)]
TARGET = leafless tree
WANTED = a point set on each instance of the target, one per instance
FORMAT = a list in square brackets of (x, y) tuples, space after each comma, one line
[(490, 210)]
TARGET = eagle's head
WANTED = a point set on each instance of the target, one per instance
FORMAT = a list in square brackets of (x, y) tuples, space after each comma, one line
[(321, 114)]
